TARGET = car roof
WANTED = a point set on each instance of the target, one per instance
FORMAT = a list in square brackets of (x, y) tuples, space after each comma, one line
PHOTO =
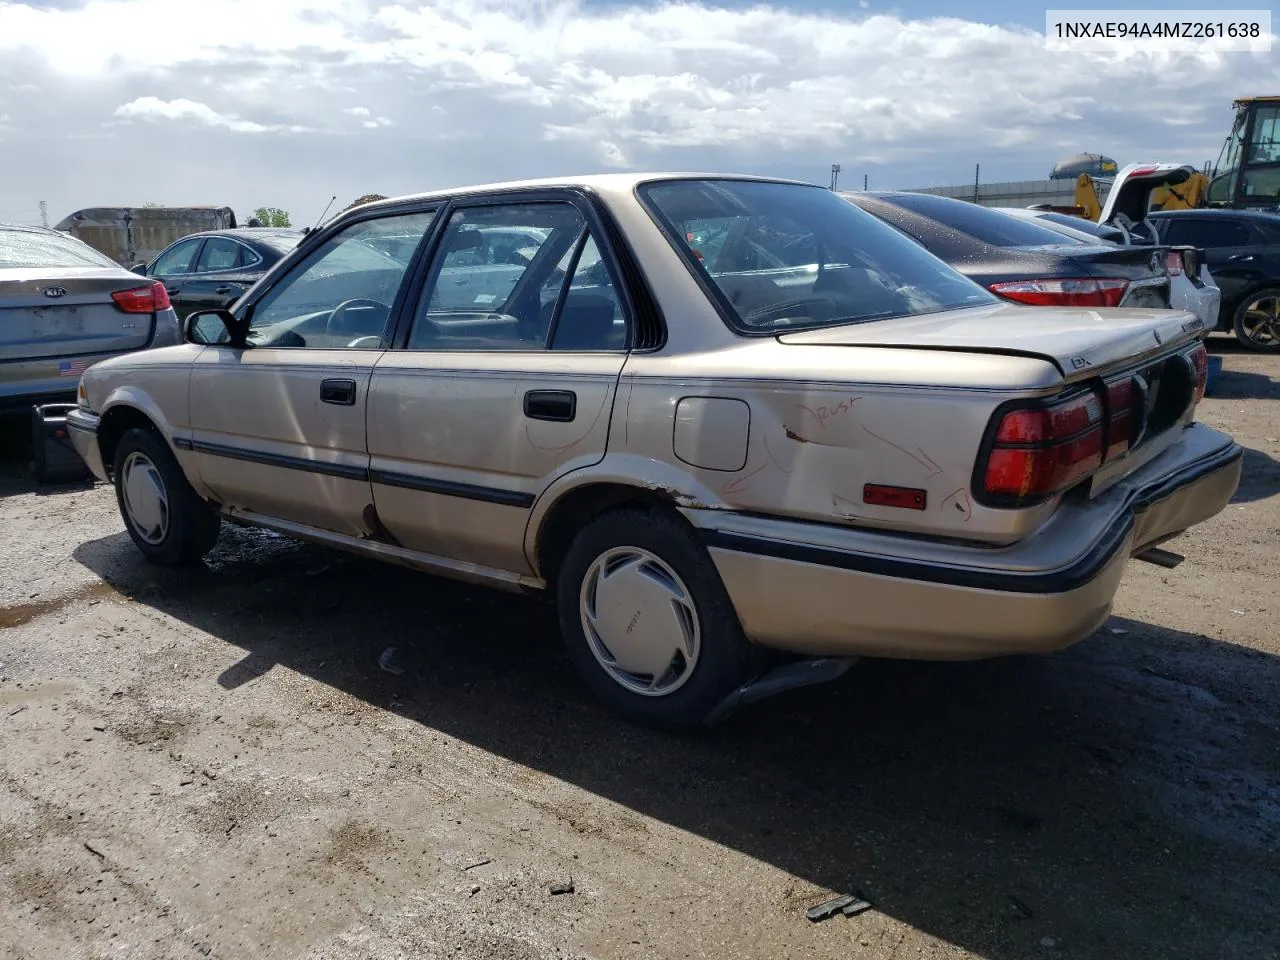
[(29, 228), (1216, 213), (605, 183)]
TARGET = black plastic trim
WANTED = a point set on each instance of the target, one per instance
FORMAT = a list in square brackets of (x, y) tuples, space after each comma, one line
[(279, 460), (1077, 575), (450, 488)]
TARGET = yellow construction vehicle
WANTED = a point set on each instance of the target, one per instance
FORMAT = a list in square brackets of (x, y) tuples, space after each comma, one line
[(1247, 173)]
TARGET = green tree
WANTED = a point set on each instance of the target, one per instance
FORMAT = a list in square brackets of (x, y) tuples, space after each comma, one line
[(271, 217)]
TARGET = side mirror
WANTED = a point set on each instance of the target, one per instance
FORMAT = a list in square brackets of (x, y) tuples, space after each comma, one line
[(139, 268), (215, 328)]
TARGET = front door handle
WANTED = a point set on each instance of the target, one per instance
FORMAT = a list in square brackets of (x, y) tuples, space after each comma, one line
[(222, 290), (341, 392), (1240, 258), (558, 406), (173, 291)]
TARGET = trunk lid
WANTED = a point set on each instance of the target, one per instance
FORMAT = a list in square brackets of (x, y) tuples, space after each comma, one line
[(81, 319), (1130, 193), (1081, 342)]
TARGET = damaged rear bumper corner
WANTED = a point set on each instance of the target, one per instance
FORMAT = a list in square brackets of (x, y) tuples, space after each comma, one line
[(822, 590)]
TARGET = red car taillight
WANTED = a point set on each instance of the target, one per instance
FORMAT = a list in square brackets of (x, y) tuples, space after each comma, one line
[(1173, 263), (1199, 357), (1063, 292), (1041, 450), (146, 299)]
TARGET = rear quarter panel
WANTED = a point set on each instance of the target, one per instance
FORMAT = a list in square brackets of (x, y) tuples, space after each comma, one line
[(814, 434)]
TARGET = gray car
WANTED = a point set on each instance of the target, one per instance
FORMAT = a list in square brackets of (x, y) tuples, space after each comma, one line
[(63, 307)]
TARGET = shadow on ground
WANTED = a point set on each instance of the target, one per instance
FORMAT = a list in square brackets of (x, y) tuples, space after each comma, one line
[(1123, 796)]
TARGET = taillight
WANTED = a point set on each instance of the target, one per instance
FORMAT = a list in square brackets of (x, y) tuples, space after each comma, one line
[(1121, 419), (1199, 357), (1064, 293), (146, 299), (1041, 450), (1173, 261)]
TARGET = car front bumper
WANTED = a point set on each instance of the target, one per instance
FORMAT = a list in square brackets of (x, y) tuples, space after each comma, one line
[(829, 591), (83, 427)]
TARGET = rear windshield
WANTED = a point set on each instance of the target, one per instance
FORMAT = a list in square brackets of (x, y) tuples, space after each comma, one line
[(31, 248), (780, 256), (988, 226), (284, 242)]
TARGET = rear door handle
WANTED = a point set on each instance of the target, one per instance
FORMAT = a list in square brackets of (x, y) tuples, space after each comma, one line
[(341, 392), (1239, 257), (173, 291), (222, 290), (558, 406)]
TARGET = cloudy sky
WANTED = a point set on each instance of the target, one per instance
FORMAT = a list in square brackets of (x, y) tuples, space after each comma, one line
[(287, 102)]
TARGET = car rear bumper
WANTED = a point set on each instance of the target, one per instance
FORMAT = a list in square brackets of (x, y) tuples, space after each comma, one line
[(830, 591), (83, 427)]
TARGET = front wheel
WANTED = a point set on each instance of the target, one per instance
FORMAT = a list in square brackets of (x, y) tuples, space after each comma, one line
[(1257, 321), (166, 518), (647, 620)]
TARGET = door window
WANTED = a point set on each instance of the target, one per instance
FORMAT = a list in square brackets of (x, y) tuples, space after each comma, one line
[(496, 279), (222, 253), (590, 317), (176, 260), (342, 294), (1206, 233)]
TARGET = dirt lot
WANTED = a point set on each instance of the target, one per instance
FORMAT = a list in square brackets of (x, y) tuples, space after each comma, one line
[(214, 763)]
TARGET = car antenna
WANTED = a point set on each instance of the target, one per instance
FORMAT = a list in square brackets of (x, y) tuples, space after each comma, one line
[(326, 210)]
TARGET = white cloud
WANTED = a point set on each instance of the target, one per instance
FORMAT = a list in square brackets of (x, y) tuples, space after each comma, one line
[(505, 88), (153, 108)]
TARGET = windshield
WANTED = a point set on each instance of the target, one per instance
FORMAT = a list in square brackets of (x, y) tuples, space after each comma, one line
[(785, 256), (36, 248), (981, 223)]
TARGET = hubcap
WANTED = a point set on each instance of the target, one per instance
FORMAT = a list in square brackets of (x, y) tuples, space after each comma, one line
[(640, 621), (146, 502), (1261, 323)]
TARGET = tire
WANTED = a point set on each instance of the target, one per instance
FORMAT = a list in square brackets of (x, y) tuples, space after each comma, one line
[(174, 527), (1261, 309), (662, 569)]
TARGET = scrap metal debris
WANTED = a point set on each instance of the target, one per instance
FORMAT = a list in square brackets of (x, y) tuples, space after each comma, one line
[(385, 663), (479, 863), (850, 905), (562, 887)]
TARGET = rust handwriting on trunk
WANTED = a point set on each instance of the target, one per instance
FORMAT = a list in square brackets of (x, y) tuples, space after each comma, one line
[(823, 415)]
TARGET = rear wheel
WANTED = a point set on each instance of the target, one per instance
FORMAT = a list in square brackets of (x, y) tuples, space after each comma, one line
[(647, 620), (1257, 321), (166, 518)]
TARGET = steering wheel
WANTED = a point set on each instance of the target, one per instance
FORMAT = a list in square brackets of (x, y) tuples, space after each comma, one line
[(345, 305), (365, 343)]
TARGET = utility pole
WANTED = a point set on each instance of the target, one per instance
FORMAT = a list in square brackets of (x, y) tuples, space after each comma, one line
[(864, 182), (976, 168), (835, 175), (44, 214)]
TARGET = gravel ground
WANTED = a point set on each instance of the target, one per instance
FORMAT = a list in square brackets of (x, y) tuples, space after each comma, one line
[(213, 763)]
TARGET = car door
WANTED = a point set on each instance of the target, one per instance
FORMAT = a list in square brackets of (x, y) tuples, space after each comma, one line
[(174, 267), (506, 380), (278, 428), (221, 274), (1232, 251)]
